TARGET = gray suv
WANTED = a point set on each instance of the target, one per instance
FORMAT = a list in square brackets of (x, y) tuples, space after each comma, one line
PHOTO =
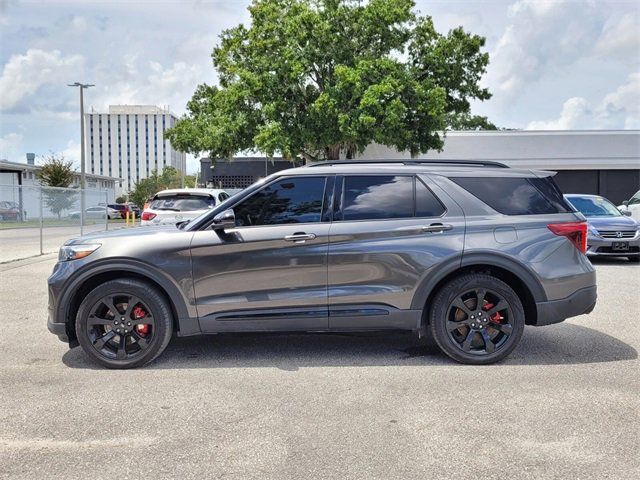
[(466, 252)]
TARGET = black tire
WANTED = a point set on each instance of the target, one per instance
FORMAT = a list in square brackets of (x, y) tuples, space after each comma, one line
[(635, 259), (470, 338), (96, 324)]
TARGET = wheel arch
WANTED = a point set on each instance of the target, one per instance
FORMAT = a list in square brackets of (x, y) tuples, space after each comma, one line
[(517, 276), (185, 323)]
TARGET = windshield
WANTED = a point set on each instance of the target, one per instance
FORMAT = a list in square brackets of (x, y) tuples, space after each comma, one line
[(595, 206), (182, 203)]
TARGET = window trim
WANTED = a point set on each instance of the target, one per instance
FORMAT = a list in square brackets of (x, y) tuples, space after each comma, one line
[(266, 185)]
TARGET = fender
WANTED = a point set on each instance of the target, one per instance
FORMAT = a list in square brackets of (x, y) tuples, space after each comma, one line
[(187, 319), (481, 257)]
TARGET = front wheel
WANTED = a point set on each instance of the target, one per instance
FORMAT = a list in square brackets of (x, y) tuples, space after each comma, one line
[(124, 323), (477, 319)]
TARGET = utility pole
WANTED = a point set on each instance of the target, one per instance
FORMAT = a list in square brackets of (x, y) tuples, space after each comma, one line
[(83, 182)]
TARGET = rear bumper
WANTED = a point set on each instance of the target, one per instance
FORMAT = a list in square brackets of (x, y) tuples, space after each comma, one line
[(580, 302)]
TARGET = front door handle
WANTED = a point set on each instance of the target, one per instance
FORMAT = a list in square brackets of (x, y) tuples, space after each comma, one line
[(300, 237), (437, 227)]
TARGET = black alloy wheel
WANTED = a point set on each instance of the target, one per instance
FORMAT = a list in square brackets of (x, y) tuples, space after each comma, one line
[(124, 323), (477, 319), (120, 326)]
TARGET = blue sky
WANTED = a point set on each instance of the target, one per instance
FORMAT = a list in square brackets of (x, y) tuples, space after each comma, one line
[(560, 64)]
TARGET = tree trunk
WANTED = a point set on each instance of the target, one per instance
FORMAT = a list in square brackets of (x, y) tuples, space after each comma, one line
[(332, 152)]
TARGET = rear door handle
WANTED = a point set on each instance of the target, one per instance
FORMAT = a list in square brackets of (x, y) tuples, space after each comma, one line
[(437, 227), (300, 237)]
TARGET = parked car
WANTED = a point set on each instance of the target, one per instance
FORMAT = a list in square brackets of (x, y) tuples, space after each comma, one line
[(611, 232), (9, 210), (122, 208), (97, 212), (135, 209), (169, 207), (468, 252), (632, 205)]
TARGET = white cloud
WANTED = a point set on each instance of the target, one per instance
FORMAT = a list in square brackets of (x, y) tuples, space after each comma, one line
[(620, 37), (24, 74), (9, 144), (619, 109), (541, 35), (72, 152)]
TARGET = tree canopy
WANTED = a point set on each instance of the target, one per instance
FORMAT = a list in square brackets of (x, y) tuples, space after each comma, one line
[(56, 171), (320, 78)]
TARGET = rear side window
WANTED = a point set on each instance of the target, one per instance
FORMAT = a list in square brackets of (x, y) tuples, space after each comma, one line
[(377, 197), (515, 196), (182, 203)]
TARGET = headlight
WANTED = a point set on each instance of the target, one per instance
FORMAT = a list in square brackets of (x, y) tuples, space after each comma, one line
[(75, 252)]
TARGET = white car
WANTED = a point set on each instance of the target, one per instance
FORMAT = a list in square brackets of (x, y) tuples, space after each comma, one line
[(633, 206), (98, 212), (169, 207)]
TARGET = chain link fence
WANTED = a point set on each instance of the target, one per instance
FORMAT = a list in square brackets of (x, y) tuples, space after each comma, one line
[(35, 220)]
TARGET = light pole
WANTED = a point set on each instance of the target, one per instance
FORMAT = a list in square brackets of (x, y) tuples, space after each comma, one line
[(83, 183)]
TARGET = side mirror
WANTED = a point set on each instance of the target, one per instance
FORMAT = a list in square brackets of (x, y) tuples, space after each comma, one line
[(224, 220), (626, 213)]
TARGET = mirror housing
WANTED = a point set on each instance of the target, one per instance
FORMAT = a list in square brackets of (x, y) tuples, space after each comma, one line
[(224, 220), (626, 213)]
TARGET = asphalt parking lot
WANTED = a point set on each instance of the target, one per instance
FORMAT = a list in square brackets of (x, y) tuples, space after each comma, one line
[(565, 405)]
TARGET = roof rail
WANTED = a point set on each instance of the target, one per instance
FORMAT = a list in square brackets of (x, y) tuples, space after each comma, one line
[(459, 163)]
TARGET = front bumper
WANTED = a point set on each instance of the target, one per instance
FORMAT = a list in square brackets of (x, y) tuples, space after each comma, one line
[(598, 246), (578, 303)]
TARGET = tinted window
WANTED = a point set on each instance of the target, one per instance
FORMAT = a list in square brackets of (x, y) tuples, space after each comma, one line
[(377, 197), (182, 203), (510, 196), (551, 192), (427, 205), (291, 200)]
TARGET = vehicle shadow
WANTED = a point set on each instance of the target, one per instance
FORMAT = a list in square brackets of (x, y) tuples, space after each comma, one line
[(612, 261), (553, 345)]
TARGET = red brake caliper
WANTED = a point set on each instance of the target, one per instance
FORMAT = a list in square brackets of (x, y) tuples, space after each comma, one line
[(141, 328), (495, 318)]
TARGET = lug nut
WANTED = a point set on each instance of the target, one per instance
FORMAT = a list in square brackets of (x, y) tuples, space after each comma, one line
[(118, 330), (115, 323), (129, 324)]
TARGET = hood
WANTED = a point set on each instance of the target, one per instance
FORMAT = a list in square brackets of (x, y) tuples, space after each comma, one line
[(613, 223), (124, 233)]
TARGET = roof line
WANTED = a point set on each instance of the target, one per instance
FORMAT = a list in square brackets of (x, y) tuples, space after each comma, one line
[(460, 163)]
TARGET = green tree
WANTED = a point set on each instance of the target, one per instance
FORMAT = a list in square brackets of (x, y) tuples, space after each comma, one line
[(148, 187), (317, 78), (121, 199), (57, 172)]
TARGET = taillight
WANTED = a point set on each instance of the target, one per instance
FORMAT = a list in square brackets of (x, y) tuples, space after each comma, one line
[(576, 232), (148, 216)]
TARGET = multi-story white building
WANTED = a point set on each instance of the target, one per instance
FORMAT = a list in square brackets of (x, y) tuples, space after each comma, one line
[(129, 142)]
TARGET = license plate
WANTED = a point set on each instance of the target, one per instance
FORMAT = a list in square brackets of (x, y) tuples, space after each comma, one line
[(620, 246)]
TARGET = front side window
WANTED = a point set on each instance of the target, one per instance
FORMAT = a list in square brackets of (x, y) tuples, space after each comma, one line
[(377, 197), (290, 200)]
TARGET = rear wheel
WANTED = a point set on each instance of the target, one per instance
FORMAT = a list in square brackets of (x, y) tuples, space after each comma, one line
[(477, 319), (124, 323)]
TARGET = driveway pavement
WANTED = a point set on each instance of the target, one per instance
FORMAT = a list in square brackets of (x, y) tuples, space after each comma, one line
[(564, 405)]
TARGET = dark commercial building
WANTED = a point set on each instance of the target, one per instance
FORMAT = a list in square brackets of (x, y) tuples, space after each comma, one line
[(240, 172)]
